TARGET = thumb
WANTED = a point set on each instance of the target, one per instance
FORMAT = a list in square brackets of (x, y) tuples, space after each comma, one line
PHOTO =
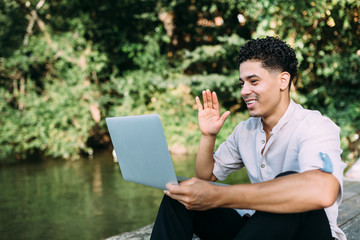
[(188, 182), (224, 116)]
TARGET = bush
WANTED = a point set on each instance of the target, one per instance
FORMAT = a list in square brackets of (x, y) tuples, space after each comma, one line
[(66, 65)]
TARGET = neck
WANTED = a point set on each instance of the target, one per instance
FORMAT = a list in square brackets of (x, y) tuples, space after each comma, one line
[(270, 121)]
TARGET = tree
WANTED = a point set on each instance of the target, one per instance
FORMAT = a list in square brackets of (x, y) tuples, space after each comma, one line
[(65, 65)]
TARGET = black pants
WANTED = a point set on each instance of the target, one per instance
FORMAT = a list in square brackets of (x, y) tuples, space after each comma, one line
[(174, 221)]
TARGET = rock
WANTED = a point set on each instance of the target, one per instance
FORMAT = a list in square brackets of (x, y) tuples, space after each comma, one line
[(139, 234)]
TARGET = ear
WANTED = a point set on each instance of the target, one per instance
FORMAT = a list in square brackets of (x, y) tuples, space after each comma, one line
[(284, 80)]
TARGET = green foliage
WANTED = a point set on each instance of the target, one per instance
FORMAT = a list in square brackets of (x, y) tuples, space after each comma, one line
[(326, 36), (66, 65), (51, 123)]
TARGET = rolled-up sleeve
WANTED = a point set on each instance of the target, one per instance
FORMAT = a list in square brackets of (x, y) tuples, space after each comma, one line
[(320, 148)]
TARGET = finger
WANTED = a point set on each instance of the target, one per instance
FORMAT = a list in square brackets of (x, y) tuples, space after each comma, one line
[(175, 189), (209, 98), (224, 116), (215, 101), (173, 196), (170, 187), (198, 104), (180, 198), (205, 99)]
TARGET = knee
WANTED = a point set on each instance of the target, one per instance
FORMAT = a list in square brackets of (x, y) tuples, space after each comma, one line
[(168, 202), (171, 207)]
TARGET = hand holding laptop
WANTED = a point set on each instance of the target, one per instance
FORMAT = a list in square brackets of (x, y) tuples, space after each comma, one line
[(194, 194)]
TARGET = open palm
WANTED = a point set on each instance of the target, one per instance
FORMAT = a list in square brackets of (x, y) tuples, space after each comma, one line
[(210, 121)]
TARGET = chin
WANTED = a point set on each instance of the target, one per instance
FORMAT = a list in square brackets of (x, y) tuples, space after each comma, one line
[(255, 114)]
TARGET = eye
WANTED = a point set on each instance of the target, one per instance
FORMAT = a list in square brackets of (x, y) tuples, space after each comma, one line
[(254, 81)]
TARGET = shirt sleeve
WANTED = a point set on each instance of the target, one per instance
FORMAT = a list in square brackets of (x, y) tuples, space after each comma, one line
[(319, 148), (227, 157)]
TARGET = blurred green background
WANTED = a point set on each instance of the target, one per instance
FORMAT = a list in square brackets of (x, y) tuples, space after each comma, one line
[(65, 65)]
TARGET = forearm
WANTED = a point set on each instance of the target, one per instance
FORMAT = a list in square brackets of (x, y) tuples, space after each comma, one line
[(205, 159), (289, 194)]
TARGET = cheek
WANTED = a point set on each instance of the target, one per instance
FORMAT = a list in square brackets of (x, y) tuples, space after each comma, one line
[(261, 92), (266, 95)]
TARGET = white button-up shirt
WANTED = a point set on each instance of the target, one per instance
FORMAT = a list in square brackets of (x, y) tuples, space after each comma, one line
[(295, 145)]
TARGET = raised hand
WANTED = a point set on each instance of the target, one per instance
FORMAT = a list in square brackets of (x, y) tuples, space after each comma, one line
[(210, 121)]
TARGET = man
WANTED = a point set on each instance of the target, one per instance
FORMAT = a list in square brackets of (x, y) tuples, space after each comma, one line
[(292, 157)]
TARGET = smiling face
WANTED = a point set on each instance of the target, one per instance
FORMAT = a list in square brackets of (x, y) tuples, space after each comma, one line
[(264, 91)]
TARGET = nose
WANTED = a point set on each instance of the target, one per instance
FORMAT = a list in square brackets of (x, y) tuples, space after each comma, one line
[(245, 90)]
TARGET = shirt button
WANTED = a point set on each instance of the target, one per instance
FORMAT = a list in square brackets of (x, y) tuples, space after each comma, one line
[(262, 141), (262, 165)]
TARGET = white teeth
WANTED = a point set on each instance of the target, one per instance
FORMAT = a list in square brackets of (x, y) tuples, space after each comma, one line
[(250, 102)]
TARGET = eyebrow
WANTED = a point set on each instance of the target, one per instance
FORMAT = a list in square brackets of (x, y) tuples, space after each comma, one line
[(248, 77)]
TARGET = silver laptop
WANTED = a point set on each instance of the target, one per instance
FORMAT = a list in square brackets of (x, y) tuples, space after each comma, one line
[(142, 150)]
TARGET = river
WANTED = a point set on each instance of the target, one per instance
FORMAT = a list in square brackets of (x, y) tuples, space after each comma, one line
[(82, 199)]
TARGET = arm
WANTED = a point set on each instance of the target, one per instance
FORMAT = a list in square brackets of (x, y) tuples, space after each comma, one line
[(293, 193), (289, 194), (210, 123), (204, 159)]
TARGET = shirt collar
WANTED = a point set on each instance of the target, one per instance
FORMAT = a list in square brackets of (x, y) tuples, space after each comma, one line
[(285, 118)]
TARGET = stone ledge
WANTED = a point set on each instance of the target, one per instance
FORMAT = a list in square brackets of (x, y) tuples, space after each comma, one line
[(139, 234)]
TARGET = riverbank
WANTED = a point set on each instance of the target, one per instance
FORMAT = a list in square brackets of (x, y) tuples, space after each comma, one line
[(348, 220)]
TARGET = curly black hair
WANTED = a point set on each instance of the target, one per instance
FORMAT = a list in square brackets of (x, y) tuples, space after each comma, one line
[(272, 52)]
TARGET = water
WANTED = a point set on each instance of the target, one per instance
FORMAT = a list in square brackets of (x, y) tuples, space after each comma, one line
[(82, 199)]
